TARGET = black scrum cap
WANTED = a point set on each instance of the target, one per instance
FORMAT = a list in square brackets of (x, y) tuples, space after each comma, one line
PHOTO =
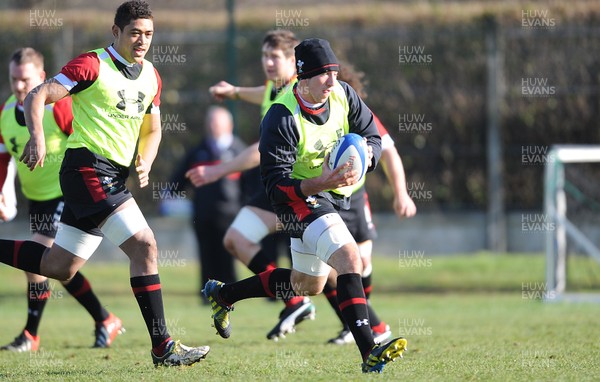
[(314, 56)]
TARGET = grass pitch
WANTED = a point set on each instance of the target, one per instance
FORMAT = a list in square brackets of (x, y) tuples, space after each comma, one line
[(475, 318)]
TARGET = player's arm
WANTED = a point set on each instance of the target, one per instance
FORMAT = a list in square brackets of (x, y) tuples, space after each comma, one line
[(4, 158), (150, 136), (246, 160), (404, 206), (329, 179), (278, 150), (49, 91), (394, 172), (4, 162), (224, 90), (361, 122)]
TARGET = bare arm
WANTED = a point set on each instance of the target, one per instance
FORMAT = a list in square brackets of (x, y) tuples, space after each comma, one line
[(247, 159), (150, 136), (224, 90), (394, 172), (50, 91)]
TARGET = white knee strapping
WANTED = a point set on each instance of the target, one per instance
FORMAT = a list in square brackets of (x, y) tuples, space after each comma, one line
[(250, 225), (307, 263), (8, 190), (121, 225), (365, 248), (326, 235), (367, 270), (76, 241)]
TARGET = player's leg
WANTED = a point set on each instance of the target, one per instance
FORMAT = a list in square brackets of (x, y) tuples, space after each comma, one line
[(214, 260), (221, 265), (242, 239), (274, 283), (127, 228), (45, 219), (38, 289), (60, 261), (38, 293), (106, 325), (277, 283), (336, 245), (381, 331)]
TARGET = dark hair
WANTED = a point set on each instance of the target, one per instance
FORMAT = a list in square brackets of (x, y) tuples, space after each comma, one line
[(27, 55), (281, 39), (132, 10), (353, 77)]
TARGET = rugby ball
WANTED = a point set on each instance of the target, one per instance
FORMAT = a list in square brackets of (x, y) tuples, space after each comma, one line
[(350, 148)]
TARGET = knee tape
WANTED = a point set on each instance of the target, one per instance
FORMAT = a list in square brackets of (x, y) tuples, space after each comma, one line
[(250, 225), (123, 224), (76, 241)]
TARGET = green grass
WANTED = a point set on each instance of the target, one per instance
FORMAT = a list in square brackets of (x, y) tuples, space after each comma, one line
[(466, 318)]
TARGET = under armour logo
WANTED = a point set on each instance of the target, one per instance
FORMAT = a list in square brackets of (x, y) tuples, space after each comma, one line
[(122, 105), (300, 63), (362, 322), (15, 147)]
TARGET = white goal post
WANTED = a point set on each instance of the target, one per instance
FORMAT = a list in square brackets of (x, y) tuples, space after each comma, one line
[(555, 206)]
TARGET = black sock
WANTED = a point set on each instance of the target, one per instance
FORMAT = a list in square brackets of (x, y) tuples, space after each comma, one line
[(353, 305), (260, 263), (147, 292), (37, 297), (366, 281), (80, 288), (331, 295), (24, 255), (272, 283)]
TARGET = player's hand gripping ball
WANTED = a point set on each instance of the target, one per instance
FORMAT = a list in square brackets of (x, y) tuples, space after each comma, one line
[(350, 148)]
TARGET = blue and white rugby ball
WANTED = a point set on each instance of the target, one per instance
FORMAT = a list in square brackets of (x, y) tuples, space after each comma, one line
[(350, 148)]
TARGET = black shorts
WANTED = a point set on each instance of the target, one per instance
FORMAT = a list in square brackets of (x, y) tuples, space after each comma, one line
[(44, 216), (295, 217), (358, 218), (93, 187), (260, 200)]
